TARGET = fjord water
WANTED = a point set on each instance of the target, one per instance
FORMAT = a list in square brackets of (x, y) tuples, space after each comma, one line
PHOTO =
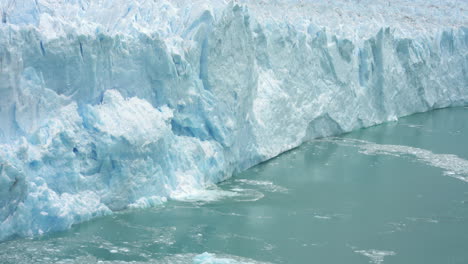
[(385, 194)]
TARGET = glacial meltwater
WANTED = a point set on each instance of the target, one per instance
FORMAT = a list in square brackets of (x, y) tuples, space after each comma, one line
[(393, 193)]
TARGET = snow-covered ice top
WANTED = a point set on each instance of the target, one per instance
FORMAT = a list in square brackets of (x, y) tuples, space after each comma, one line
[(114, 104), (346, 18)]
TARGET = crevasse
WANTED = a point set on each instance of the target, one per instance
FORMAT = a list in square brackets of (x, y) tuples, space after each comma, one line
[(106, 105)]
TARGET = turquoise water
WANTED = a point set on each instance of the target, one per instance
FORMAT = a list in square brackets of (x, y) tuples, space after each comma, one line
[(386, 194)]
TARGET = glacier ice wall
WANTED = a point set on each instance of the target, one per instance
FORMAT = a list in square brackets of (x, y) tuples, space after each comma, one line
[(106, 105)]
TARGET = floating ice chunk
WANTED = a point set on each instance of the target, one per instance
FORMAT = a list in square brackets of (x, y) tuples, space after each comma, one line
[(145, 202), (376, 256), (209, 258)]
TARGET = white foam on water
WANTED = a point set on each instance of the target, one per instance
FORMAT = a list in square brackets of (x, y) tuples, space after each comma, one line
[(324, 217), (248, 195), (412, 125), (451, 164), (426, 220), (204, 195), (57, 250), (265, 185), (215, 194), (204, 258)]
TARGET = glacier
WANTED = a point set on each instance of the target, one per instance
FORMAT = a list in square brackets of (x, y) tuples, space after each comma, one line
[(114, 104)]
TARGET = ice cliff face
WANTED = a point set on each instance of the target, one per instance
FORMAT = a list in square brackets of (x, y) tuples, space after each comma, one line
[(106, 105)]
